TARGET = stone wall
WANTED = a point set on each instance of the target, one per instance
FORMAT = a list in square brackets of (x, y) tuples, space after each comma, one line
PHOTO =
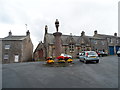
[(15, 49), (99, 44), (27, 49)]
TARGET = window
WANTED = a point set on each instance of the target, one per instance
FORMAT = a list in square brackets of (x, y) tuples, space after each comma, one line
[(111, 41), (6, 56), (7, 46), (95, 42), (108, 39), (103, 43), (117, 41), (71, 47)]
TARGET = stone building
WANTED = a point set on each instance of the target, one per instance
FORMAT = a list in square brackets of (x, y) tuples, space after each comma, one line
[(113, 41), (71, 44), (17, 48)]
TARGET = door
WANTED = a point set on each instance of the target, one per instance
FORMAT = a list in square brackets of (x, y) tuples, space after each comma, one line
[(111, 50), (40, 52), (16, 58)]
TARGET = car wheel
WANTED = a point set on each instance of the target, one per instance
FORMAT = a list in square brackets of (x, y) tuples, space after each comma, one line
[(97, 61), (80, 60), (85, 61)]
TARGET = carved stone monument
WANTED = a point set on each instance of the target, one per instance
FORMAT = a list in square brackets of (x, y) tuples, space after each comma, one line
[(58, 44)]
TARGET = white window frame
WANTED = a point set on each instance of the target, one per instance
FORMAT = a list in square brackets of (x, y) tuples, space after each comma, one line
[(7, 46), (16, 58), (71, 47), (6, 56), (111, 41)]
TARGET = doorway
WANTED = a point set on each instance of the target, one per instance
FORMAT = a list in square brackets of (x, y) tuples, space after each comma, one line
[(16, 58)]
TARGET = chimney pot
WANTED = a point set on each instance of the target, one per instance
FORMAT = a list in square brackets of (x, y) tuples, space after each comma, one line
[(95, 32), (83, 33), (10, 33), (115, 34)]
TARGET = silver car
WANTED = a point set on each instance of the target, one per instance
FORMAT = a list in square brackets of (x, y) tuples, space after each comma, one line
[(87, 56), (66, 55)]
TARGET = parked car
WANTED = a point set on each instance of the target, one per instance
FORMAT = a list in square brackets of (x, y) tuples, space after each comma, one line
[(87, 56), (66, 55), (118, 52), (78, 54), (102, 53)]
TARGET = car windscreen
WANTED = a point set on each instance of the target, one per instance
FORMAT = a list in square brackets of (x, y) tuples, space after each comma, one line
[(92, 53)]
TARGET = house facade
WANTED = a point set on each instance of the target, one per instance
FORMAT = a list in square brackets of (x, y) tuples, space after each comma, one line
[(71, 44), (113, 41), (17, 48)]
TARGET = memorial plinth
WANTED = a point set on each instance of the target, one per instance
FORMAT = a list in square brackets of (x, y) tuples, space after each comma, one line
[(58, 43)]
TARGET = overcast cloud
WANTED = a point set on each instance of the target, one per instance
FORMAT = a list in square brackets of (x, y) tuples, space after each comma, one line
[(74, 16)]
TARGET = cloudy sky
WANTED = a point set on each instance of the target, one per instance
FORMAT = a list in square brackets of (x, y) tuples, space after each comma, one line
[(74, 16)]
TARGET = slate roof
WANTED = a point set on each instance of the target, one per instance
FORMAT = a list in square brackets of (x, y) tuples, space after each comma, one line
[(66, 39), (105, 36), (14, 38)]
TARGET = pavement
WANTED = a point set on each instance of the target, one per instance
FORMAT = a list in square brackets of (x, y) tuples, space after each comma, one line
[(77, 75)]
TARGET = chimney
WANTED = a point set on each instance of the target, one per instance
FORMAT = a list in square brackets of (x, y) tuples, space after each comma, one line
[(83, 33), (95, 32), (70, 34), (46, 29), (27, 33), (10, 33), (115, 34)]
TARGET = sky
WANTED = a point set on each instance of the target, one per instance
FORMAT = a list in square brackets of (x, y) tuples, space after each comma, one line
[(74, 17)]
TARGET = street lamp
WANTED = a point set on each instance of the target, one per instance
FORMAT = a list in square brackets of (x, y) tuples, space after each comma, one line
[(57, 24)]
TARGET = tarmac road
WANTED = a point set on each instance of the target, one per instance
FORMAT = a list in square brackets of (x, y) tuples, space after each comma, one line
[(77, 75)]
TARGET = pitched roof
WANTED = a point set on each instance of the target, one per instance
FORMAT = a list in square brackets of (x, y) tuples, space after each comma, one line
[(66, 39), (104, 36), (14, 38)]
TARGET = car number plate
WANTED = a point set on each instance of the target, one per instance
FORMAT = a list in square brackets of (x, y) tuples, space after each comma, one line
[(93, 57)]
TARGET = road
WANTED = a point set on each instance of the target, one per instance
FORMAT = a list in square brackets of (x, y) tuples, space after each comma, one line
[(77, 75)]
